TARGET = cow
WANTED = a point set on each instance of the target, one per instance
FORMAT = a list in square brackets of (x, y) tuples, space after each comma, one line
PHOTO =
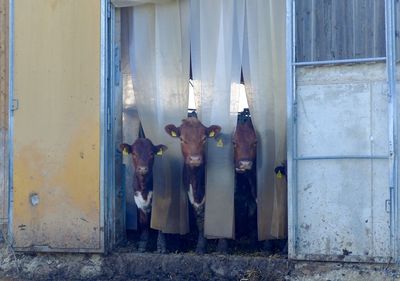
[(143, 152), (245, 161), (193, 136), (244, 141)]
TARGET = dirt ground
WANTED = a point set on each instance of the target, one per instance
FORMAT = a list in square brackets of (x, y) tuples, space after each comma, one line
[(126, 264)]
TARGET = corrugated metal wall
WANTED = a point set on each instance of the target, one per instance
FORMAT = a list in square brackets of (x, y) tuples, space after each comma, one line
[(341, 29), (3, 110)]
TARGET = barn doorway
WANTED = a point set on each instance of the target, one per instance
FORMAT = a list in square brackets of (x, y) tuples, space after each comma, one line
[(130, 114)]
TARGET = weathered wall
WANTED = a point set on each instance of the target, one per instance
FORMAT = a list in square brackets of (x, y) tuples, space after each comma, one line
[(341, 211), (341, 29), (56, 145), (3, 111)]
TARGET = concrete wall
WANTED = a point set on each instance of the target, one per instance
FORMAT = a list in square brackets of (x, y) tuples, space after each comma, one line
[(3, 112), (341, 210)]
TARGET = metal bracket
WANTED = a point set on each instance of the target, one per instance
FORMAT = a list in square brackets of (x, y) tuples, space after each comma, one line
[(15, 104), (387, 205)]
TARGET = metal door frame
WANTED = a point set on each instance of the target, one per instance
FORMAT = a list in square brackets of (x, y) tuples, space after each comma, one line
[(292, 157), (103, 130), (113, 89)]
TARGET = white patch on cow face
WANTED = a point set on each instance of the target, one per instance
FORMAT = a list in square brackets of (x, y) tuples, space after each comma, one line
[(191, 198), (142, 204)]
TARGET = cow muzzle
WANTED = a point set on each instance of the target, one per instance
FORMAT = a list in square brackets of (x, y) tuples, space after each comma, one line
[(194, 160), (142, 170), (243, 166)]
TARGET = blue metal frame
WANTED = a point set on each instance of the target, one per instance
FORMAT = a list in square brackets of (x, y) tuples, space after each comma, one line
[(391, 77), (10, 120), (103, 124)]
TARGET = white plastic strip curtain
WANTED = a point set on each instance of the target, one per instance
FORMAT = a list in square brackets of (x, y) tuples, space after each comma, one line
[(216, 63), (159, 59), (130, 121), (264, 74)]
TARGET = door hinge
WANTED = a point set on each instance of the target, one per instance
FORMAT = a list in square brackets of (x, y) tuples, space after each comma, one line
[(109, 9), (117, 66), (108, 119), (15, 104), (295, 112)]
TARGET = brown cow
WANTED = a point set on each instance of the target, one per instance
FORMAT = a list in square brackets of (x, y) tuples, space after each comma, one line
[(245, 161), (143, 151), (193, 135)]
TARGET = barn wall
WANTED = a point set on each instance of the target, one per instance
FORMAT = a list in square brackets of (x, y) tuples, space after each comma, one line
[(340, 29), (57, 194), (341, 211), (3, 111)]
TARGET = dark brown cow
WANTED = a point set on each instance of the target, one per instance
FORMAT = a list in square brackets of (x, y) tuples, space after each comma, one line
[(143, 152), (193, 135), (245, 162)]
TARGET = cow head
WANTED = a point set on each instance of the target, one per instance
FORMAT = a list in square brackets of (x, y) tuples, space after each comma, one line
[(245, 146), (143, 151), (193, 135)]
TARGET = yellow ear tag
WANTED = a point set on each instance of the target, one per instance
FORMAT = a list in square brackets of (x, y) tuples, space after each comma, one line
[(211, 134), (160, 152), (125, 151), (220, 143), (173, 134), (279, 175)]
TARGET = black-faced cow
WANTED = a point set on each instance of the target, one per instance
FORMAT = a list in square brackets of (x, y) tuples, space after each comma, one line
[(245, 161), (143, 152), (193, 135)]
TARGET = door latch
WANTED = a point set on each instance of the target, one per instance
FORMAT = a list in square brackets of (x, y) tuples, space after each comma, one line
[(15, 104)]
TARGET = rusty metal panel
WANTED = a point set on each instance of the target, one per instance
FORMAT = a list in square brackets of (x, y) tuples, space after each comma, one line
[(3, 112), (56, 172)]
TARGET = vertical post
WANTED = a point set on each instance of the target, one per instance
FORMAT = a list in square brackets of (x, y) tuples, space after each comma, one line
[(391, 78), (103, 124), (291, 132), (3, 114), (10, 116)]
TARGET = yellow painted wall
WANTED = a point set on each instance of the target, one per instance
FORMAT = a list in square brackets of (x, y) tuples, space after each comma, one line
[(3, 111), (57, 127)]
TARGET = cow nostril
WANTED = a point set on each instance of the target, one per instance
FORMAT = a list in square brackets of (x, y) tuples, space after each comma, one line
[(142, 170), (245, 164), (195, 159)]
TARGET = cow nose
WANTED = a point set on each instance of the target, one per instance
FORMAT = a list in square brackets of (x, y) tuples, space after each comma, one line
[(245, 164), (142, 170), (195, 160)]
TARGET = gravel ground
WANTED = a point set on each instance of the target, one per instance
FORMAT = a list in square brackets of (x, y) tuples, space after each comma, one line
[(126, 264)]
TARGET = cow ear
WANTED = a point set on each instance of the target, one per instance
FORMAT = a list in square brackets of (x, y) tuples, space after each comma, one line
[(172, 130), (126, 148), (160, 149), (213, 130)]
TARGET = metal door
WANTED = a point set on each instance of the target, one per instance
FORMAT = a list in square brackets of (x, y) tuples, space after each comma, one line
[(57, 122), (341, 154)]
